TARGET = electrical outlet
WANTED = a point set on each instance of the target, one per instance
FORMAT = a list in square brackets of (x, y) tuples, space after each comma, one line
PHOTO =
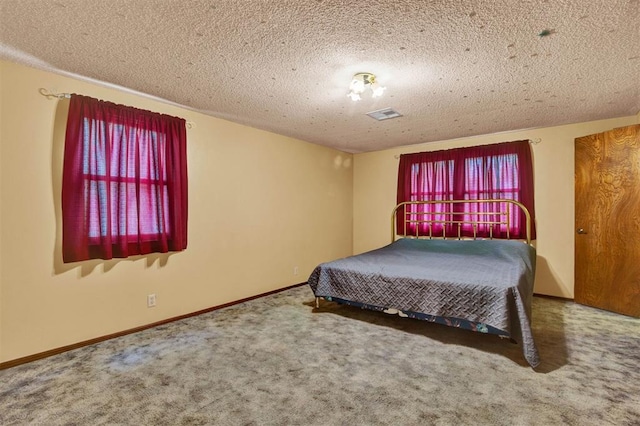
[(295, 270), (151, 300)]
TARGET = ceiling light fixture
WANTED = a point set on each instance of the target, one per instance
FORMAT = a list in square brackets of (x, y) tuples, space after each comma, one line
[(363, 81)]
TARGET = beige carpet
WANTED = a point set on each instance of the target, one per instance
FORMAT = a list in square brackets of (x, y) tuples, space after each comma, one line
[(277, 361)]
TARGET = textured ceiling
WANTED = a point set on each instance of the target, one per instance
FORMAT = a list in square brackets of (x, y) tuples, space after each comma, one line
[(451, 68)]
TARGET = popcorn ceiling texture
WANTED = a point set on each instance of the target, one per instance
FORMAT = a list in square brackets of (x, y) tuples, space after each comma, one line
[(452, 69)]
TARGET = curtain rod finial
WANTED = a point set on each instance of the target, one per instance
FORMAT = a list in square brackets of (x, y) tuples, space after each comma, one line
[(44, 92)]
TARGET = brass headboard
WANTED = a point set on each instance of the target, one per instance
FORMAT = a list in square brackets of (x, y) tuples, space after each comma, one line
[(488, 219)]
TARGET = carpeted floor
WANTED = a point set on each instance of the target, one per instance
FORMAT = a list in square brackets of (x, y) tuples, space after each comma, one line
[(278, 361)]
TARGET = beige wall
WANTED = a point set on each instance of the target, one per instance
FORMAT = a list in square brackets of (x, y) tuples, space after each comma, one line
[(375, 177), (259, 205), (304, 196)]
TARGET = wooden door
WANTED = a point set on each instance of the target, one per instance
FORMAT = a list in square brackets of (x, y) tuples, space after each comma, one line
[(607, 250)]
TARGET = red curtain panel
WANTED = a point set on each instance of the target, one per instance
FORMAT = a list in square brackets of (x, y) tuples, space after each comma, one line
[(502, 170), (124, 185)]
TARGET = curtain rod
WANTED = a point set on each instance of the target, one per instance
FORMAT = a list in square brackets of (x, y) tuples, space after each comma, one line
[(44, 92), (531, 141)]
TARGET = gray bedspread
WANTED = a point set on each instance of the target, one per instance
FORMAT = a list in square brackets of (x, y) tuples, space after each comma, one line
[(485, 281)]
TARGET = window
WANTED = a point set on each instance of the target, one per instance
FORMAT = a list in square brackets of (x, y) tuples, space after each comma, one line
[(124, 188), (476, 173)]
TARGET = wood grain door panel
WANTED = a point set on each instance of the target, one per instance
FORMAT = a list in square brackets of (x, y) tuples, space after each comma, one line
[(607, 253)]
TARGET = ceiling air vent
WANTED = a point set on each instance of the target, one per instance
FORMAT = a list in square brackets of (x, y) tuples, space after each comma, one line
[(384, 114)]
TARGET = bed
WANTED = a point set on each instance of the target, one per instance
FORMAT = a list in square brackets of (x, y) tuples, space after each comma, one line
[(479, 284)]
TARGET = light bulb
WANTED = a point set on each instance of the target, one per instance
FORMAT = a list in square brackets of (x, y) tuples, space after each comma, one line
[(357, 86), (377, 90), (354, 96)]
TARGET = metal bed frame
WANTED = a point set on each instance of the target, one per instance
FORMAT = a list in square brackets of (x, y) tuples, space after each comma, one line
[(489, 219)]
